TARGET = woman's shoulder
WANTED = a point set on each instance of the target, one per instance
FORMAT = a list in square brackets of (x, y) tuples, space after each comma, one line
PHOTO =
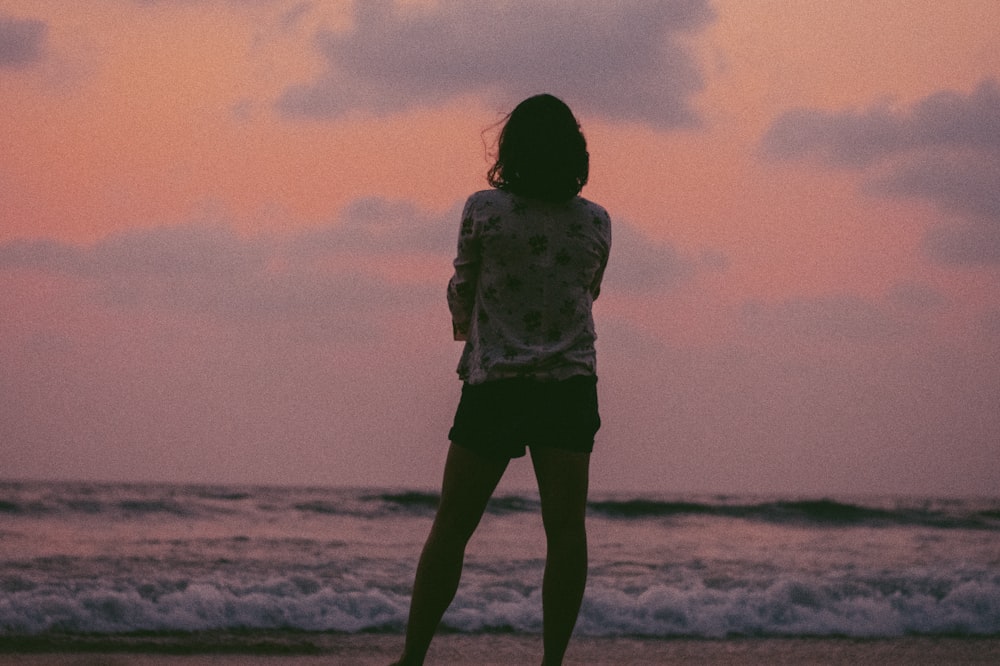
[(490, 202), (495, 201), (490, 197), (592, 206)]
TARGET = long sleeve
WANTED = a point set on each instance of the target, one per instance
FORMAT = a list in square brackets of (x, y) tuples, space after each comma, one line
[(595, 286), (462, 286)]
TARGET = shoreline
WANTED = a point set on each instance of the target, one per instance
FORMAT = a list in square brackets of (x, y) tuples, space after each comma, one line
[(311, 649)]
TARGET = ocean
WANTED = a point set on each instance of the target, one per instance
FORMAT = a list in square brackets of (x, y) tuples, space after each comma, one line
[(115, 561)]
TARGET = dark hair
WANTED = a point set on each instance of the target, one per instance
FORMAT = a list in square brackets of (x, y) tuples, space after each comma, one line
[(541, 151)]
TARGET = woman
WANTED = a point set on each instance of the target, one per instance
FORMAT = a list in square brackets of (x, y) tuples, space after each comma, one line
[(531, 255)]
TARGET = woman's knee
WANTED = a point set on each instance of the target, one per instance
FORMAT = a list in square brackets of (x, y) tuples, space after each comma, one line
[(565, 528), (455, 527)]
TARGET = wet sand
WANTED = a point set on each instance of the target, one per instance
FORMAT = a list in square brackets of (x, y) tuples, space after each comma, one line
[(504, 650)]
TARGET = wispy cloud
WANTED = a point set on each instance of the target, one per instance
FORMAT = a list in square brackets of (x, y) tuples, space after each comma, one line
[(643, 265), (331, 276), (837, 318), (944, 149), (22, 41), (624, 60)]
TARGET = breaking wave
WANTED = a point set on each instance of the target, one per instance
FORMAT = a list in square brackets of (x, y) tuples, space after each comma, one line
[(914, 605), (141, 502)]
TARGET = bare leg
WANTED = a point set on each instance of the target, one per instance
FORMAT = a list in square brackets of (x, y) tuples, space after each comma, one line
[(469, 481), (562, 484)]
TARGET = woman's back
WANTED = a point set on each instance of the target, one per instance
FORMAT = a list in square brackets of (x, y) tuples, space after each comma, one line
[(526, 274)]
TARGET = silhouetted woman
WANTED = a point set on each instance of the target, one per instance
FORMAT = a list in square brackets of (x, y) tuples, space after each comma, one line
[(531, 255)]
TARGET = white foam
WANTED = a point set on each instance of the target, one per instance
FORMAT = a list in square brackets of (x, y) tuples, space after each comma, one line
[(198, 607), (786, 607), (793, 608)]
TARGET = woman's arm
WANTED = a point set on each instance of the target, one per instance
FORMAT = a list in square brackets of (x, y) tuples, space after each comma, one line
[(462, 286), (595, 285)]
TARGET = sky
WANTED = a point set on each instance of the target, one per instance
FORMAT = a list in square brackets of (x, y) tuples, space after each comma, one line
[(226, 227)]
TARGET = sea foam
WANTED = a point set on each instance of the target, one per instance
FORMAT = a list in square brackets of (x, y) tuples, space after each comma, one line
[(787, 607)]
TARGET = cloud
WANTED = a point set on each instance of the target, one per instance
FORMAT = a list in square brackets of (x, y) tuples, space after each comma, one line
[(22, 41), (944, 149), (965, 185), (990, 322), (335, 276), (917, 297), (943, 121), (623, 60), (837, 318), (640, 264), (291, 18), (376, 224)]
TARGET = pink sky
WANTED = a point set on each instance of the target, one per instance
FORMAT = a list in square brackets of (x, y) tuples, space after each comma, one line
[(226, 227)]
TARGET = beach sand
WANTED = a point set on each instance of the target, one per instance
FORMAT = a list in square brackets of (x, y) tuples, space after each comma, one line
[(497, 649)]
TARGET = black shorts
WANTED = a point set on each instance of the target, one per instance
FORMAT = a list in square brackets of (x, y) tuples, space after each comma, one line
[(500, 418)]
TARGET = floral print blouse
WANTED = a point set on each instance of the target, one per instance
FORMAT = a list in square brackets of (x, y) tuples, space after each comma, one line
[(526, 276)]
